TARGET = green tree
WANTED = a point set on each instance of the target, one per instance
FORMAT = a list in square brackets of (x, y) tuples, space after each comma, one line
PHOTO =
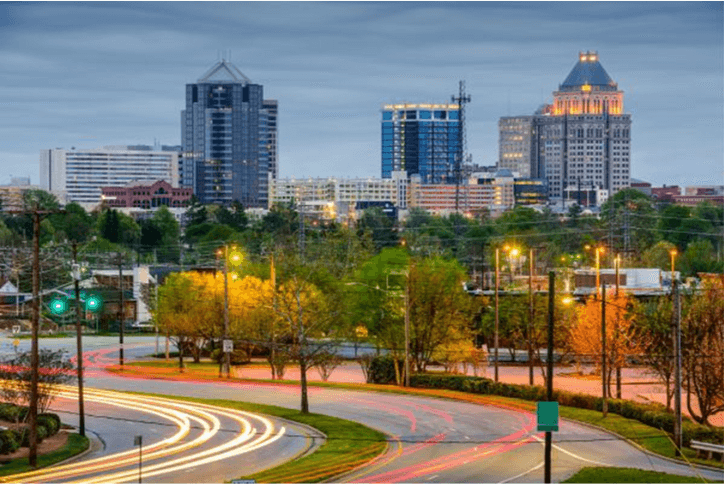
[(631, 213), (380, 226), (75, 224), (699, 257)]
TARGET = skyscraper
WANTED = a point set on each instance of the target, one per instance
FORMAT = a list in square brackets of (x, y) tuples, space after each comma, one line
[(228, 133), (583, 139), (421, 139)]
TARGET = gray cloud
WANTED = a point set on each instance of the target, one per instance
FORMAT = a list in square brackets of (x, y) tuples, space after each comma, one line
[(89, 74)]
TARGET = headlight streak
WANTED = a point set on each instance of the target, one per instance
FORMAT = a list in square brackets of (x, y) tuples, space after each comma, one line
[(179, 412)]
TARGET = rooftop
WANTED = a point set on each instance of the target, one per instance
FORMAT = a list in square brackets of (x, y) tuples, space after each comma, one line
[(588, 72)]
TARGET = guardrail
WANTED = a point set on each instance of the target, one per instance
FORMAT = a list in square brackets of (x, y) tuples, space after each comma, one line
[(710, 449)]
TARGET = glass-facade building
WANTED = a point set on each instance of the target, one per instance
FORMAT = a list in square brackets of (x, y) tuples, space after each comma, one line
[(421, 139), (228, 138)]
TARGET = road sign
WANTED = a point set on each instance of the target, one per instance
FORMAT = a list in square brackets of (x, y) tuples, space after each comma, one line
[(138, 440), (16, 329), (547, 416), (228, 346)]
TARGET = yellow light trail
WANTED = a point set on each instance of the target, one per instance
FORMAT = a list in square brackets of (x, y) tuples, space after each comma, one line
[(179, 413)]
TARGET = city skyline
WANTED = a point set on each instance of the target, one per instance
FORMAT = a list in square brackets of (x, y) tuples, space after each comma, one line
[(89, 75)]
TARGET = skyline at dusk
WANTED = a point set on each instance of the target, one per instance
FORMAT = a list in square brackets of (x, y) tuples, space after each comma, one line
[(87, 75)]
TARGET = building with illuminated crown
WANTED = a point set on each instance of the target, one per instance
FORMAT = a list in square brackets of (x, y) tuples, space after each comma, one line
[(582, 139), (421, 139)]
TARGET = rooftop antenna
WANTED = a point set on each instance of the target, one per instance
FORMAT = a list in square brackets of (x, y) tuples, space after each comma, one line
[(461, 99)]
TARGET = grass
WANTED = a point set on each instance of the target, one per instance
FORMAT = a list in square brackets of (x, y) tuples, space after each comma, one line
[(74, 446), (623, 474), (348, 444)]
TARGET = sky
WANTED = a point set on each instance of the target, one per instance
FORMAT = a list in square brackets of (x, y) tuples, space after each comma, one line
[(87, 75)]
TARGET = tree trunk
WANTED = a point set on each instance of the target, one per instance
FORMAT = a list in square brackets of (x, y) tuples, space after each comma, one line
[(303, 372), (180, 357)]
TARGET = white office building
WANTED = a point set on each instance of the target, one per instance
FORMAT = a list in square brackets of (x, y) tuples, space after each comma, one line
[(79, 175)]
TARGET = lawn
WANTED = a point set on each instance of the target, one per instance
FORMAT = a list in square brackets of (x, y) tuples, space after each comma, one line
[(74, 446), (623, 474)]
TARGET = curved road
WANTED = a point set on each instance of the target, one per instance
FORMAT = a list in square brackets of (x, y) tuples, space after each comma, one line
[(432, 440)]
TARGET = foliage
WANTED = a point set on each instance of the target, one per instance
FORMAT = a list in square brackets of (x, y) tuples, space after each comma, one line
[(53, 370), (626, 474), (658, 351), (622, 337), (703, 349), (382, 370)]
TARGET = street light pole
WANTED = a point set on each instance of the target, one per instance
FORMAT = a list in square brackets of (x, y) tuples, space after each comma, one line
[(121, 311), (227, 355), (617, 262), (549, 364), (497, 309), (677, 371), (603, 351), (530, 320)]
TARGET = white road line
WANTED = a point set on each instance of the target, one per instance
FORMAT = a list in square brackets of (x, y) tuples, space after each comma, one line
[(523, 473), (572, 454)]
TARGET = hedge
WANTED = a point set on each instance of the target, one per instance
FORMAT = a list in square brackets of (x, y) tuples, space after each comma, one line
[(8, 442), (652, 414)]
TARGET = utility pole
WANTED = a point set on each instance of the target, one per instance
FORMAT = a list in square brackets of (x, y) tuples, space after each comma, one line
[(603, 351), (33, 410), (677, 372), (79, 339), (549, 363), (121, 312), (530, 320), (407, 330), (35, 326), (497, 308)]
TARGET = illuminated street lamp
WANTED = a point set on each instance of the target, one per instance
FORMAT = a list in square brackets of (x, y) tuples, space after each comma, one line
[(511, 250), (235, 257), (673, 254)]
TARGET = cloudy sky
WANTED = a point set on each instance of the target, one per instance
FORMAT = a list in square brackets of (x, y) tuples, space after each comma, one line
[(95, 74)]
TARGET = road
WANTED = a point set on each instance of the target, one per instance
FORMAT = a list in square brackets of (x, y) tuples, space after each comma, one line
[(431, 440)]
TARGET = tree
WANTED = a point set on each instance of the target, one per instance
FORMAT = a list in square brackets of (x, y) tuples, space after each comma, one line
[(622, 337), (15, 375), (658, 255), (703, 349), (178, 302), (699, 257), (658, 347), (380, 226), (75, 224), (118, 228), (631, 213), (441, 311)]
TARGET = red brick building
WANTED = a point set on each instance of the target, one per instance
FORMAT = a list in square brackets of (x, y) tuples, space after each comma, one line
[(665, 194), (146, 194)]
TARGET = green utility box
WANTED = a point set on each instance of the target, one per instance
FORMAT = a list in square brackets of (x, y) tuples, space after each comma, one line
[(547, 414)]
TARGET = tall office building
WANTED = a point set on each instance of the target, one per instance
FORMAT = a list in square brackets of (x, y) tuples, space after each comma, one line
[(582, 140), (78, 175), (421, 139), (228, 132)]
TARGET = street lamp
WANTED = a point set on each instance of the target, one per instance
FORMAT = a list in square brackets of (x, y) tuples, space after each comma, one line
[(673, 254), (235, 257), (513, 252)]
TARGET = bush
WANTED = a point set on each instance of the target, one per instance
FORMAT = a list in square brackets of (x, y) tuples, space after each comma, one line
[(238, 356), (13, 413), (50, 421), (382, 370), (8, 442)]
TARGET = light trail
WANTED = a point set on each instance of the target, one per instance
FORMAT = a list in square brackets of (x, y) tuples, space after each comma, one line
[(181, 414)]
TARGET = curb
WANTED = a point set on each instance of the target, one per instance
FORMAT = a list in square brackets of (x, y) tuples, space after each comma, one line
[(92, 446)]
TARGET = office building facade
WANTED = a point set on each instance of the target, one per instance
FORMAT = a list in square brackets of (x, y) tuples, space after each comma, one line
[(582, 139), (79, 175), (228, 133), (421, 139)]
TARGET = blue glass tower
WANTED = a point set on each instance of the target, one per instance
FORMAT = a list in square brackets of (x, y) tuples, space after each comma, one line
[(421, 139), (227, 135)]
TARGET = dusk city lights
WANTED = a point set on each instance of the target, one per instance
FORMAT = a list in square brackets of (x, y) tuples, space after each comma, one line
[(371, 242)]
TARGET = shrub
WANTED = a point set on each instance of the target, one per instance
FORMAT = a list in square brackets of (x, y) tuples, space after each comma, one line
[(382, 370), (8, 442), (238, 356), (50, 421)]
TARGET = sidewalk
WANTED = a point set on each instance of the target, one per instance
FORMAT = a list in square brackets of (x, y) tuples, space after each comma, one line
[(637, 385)]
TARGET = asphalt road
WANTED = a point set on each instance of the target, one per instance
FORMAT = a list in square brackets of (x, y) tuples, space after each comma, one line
[(431, 440)]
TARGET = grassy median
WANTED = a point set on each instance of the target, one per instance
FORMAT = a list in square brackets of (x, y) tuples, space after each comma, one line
[(348, 444)]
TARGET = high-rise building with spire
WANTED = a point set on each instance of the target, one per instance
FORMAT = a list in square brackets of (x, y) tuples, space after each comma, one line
[(581, 141), (228, 132)]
